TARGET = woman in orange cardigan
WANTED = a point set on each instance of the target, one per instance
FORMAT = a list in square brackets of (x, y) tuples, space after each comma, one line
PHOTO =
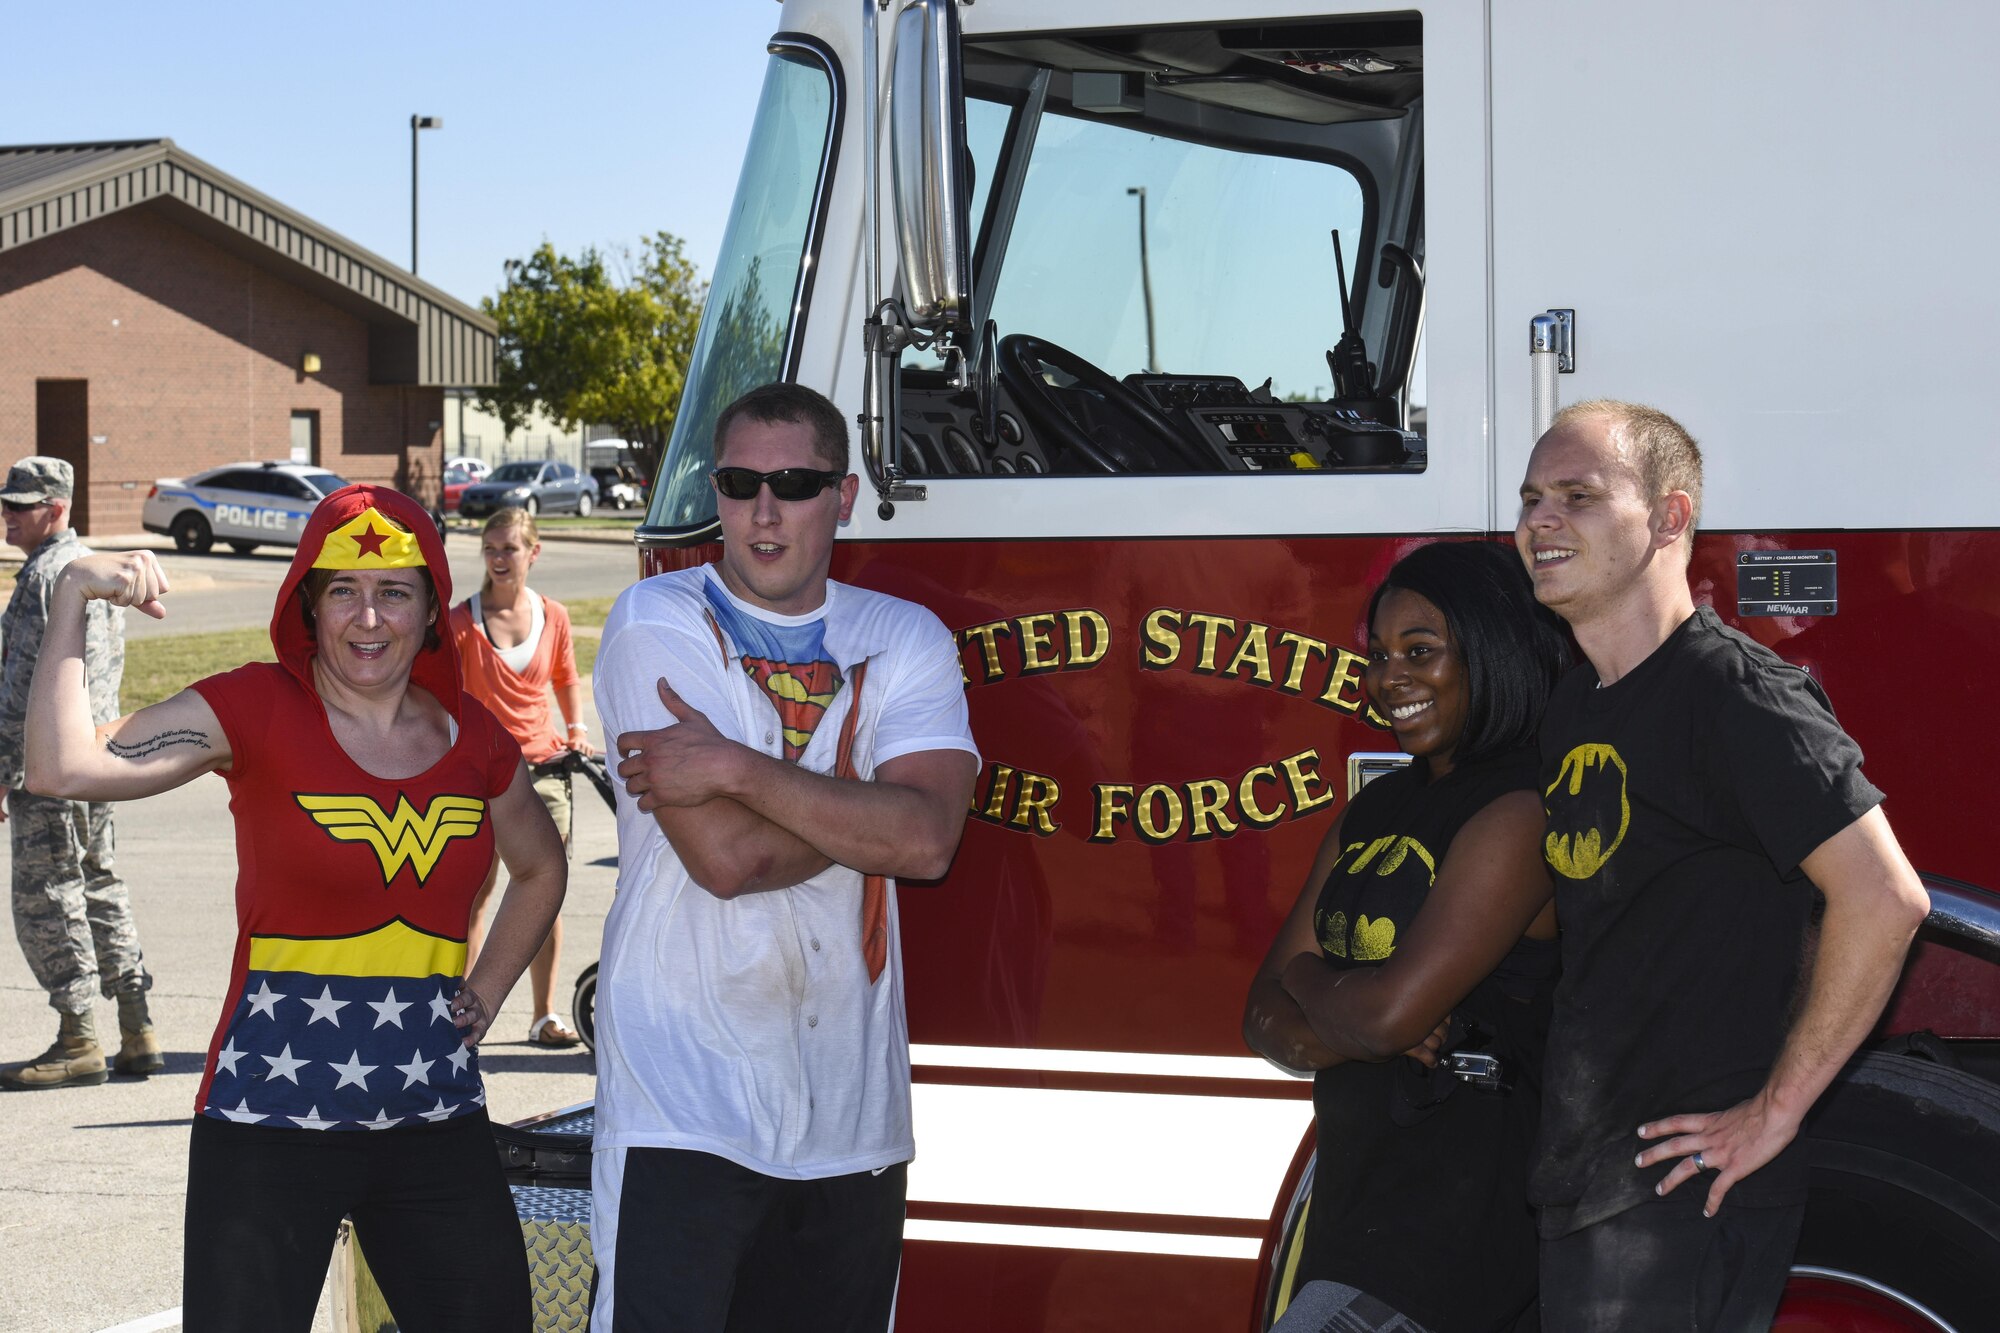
[(513, 647)]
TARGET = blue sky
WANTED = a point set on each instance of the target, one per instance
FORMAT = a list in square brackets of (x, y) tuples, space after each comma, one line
[(586, 124)]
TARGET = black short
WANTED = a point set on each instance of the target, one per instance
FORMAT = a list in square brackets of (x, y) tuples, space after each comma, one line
[(431, 1212), (1662, 1265), (703, 1245)]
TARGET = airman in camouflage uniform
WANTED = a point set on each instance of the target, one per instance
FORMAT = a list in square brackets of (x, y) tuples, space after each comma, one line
[(71, 912)]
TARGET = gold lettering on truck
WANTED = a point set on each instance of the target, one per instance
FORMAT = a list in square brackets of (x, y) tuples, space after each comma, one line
[(1200, 643)]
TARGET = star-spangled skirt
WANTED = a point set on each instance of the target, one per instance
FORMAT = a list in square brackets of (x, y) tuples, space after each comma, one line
[(313, 1051)]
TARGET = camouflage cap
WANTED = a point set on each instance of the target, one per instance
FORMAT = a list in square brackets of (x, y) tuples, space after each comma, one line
[(37, 478)]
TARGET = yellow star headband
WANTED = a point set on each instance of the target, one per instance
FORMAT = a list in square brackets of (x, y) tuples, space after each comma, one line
[(369, 541)]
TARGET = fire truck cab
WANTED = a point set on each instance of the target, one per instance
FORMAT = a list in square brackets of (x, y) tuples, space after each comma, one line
[(1169, 328)]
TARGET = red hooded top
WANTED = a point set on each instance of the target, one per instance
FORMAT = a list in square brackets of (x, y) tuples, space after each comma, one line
[(352, 891)]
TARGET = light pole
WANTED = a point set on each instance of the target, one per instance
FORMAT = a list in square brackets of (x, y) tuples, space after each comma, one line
[(417, 123), (1146, 282)]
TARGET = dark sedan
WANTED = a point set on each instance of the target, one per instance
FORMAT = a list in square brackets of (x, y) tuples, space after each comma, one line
[(540, 488)]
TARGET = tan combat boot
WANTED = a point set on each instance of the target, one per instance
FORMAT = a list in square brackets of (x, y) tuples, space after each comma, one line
[(138, 1044), (75, 1060)]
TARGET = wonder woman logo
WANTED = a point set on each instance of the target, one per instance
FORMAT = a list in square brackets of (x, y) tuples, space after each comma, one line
[(803, 693), (400, 837)]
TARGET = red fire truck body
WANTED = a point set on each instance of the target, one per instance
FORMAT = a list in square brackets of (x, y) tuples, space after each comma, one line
[(1047, 252)]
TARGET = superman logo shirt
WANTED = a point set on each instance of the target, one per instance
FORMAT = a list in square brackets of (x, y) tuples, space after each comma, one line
[(352, 896), (785, 656)]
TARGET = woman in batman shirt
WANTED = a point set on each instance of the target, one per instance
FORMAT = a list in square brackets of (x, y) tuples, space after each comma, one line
[(1425, 929)]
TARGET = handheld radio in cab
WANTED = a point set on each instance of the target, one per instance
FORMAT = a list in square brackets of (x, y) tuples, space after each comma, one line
[(1353, 377)]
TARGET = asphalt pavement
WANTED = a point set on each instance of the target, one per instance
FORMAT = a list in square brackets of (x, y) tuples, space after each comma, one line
[(91, 1186)]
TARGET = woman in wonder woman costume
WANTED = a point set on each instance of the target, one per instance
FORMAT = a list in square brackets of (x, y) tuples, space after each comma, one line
[(370, 794)]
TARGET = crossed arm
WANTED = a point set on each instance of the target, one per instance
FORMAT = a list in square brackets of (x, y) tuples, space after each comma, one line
[(1491, 888), (141, 754), (1874, 904), (742, 821)]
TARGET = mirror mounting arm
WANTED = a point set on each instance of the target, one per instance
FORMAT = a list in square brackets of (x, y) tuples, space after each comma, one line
[(884, 335)]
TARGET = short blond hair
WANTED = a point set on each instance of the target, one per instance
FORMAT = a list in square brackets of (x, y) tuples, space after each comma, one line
[(1660, 450), (507, 518)]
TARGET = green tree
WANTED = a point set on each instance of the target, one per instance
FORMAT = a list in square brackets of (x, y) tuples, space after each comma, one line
[(598, 339)]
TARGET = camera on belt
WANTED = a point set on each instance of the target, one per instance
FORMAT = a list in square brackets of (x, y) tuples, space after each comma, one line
[(1466, 1059)]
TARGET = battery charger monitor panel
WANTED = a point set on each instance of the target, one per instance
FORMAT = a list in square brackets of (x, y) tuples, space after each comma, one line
[(1155, 254)]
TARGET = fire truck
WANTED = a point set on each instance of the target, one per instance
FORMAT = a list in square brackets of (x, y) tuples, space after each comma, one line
[(1168, 329)]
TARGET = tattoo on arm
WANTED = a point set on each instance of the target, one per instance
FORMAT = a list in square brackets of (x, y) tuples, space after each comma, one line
[(155, 744)]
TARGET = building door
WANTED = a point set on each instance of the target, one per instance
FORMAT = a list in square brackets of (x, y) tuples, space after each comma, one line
[(62, 430), (305, 437)]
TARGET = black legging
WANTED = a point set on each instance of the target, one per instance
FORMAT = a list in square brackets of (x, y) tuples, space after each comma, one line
[(430, 1209)]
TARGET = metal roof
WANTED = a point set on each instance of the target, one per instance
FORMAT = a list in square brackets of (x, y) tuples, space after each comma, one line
[(417, 334)]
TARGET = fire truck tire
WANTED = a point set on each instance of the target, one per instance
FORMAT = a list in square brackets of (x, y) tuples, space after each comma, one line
[(1903, 1214), (1905, 1162), (583, 1007)]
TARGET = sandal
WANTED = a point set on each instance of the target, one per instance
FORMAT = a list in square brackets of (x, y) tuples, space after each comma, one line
[(549, 1031)]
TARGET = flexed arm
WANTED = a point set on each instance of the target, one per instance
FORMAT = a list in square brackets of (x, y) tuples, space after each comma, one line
[(141, 754)]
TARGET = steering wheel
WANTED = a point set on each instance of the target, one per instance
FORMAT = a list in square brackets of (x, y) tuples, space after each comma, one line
[(1136, 437)]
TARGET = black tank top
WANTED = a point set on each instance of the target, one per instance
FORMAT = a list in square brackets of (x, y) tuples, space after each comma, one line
[(1420, 1194)]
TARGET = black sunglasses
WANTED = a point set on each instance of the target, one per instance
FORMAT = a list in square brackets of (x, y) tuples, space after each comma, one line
[(21, 506), (792, 483)]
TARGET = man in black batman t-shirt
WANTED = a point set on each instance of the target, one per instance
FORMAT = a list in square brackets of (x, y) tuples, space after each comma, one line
[(1698, 789)]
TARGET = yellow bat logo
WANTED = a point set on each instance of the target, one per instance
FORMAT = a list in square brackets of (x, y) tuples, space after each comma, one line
[(1578, 804), (1397, 850), (405, 835), (1391, 857)]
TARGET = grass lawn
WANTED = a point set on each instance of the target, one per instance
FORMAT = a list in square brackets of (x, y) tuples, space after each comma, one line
[(158, 668), (589, 610)]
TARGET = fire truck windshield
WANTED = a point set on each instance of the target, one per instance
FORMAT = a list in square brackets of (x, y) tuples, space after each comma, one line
[(762, 276)]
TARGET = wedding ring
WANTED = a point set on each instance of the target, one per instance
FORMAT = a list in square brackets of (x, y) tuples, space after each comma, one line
[(1699, 1165)]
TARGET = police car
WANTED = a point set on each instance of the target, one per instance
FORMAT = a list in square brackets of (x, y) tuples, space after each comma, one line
[(245, 504)]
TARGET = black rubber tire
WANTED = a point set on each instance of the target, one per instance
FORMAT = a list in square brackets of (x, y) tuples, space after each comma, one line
[(1905, 1158), (243, 548), (583, 503), (533, 504), (191, 534), (583, 1007)]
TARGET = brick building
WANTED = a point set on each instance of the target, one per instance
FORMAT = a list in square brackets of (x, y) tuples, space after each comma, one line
[(158, 317)]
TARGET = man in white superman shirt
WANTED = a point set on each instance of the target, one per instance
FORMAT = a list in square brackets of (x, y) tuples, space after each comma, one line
[(791, 746)]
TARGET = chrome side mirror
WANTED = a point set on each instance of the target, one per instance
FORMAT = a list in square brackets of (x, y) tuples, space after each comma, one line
[(928, 155)]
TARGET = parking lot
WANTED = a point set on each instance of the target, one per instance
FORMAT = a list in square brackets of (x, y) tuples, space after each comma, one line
[(91, 1189)]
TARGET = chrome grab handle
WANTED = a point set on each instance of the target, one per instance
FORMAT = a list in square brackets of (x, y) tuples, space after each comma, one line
[(1960, 909), (1551, 352)]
